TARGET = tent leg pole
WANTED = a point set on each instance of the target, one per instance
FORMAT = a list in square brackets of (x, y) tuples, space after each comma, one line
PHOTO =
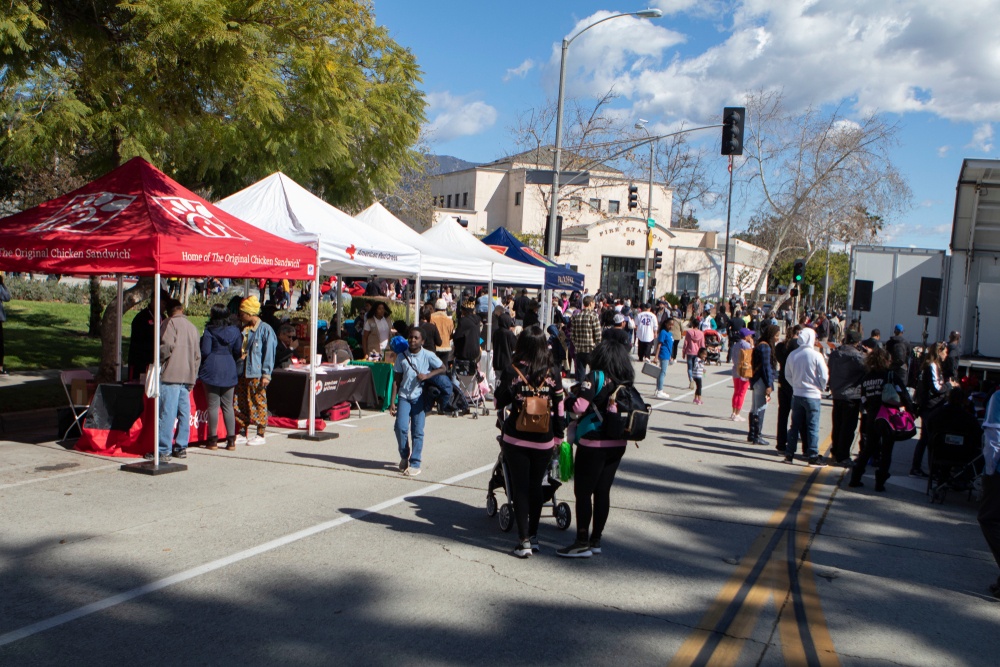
[(154, 468), (416, 300), (338, 306), (118, 331), (311, 433)]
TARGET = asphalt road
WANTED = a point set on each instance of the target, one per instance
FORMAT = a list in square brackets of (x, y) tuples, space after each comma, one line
[(307, 553)]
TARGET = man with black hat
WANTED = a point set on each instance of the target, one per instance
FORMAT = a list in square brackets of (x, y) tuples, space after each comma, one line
[(847, 368)]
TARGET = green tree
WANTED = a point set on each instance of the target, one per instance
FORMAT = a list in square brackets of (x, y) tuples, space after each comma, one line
[(217, 93)]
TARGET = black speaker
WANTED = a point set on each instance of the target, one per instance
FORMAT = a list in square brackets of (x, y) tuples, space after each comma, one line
[(930, 297), (863, 295)]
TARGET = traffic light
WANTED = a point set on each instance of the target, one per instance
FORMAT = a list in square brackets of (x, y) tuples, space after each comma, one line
[(732, 130), (794, 292), (633, 197), (657, 259), (557, 241), (798, 271)]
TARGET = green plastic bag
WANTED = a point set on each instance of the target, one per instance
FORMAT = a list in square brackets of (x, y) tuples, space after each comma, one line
[(565, 461)]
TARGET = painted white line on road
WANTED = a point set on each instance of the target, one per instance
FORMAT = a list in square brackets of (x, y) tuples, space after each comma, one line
[(690, 393), (65, 474), (159, 584)]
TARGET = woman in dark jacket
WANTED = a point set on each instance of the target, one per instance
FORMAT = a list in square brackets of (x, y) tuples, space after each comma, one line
[(527, 454), (504, 342), (879, 438), (221, 346), (932, 390), (765, 371), (597, 456)]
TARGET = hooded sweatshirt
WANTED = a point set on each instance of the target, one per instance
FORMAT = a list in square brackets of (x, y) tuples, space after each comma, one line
[(806, 369)]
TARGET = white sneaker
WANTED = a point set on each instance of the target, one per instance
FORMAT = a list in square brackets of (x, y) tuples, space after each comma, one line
[(661, 394), (241, 439), (255, 441)]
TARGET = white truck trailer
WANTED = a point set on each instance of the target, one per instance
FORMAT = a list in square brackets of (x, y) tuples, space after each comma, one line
[(896, 274), (972, 285)]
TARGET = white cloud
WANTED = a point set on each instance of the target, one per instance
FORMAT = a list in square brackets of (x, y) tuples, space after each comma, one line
[(712, 224), (943, 151), (456, 116), (900, 56), (520, 71), (982, 138)]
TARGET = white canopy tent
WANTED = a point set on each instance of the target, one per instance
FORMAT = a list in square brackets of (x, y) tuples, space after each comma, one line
[(457, 242), (437, 263), (279, 205)]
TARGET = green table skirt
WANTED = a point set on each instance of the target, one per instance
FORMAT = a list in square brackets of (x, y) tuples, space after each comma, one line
[(382, 375)]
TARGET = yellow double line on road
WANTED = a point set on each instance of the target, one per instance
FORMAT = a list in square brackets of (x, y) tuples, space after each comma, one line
[(776, 566)]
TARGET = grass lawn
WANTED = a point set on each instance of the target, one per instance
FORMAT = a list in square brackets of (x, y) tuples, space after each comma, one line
[(46, 335)]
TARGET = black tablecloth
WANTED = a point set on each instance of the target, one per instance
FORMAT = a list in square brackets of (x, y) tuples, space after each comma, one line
[(115, 407), (288, 392)]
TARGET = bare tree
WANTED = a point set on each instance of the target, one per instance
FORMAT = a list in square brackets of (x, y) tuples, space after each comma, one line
[(592, 138), (816, 174), (686, 171)]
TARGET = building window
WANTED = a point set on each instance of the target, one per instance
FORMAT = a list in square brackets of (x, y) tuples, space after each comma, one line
[(517, 199), (687, 281), (449, 202), (613, 206), (595, 204), (465, 200), (456, 200), (574, 205)]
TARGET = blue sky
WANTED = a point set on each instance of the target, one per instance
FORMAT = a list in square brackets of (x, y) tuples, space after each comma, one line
[(932, 66)]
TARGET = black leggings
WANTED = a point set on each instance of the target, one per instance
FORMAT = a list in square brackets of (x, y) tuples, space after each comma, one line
[(877, 444), (526, 467), (594, 473)]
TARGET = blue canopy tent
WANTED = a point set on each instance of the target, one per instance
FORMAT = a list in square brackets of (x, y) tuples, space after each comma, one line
[(556, 277)]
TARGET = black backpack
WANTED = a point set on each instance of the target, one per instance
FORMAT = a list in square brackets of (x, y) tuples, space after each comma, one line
[(632, 418)]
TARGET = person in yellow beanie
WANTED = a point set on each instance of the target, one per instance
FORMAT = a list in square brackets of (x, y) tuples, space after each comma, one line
[(255, 366)]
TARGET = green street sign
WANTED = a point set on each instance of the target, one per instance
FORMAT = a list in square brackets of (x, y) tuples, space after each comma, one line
[(650, 223)]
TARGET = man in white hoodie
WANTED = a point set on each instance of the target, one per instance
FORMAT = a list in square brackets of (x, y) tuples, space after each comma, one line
[(806, 371)]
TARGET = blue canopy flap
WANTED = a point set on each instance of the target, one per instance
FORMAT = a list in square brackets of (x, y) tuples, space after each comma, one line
[(556, 277)]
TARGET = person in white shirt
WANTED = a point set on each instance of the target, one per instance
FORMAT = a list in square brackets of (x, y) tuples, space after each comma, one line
[(645, 331), (805, 370), (375, 334)]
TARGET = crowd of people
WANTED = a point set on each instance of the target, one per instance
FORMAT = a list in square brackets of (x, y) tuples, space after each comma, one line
[(233, 358), (573, 369)]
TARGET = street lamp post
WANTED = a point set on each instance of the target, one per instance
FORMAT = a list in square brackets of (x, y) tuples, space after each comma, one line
[(647, 290), (557, 159)]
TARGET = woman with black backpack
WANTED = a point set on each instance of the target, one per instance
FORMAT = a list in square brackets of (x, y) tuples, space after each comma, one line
[(597, 456), (534, 425), (879, 437)]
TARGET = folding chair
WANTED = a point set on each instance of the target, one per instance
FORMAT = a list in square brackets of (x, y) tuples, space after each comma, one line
[(79, 411)]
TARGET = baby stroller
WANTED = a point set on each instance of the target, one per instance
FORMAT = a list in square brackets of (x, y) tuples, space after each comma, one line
[(955, 461), (500, 480), (470, 382), (713, 346)]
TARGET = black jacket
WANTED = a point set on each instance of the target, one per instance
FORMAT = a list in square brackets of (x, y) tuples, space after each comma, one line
[(847, 368), (466, 338), (900, 351)]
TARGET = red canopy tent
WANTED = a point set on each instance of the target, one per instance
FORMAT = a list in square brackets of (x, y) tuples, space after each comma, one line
[(136, 220)]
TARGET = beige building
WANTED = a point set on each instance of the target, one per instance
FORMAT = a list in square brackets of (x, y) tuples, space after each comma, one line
[(601, 238)]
